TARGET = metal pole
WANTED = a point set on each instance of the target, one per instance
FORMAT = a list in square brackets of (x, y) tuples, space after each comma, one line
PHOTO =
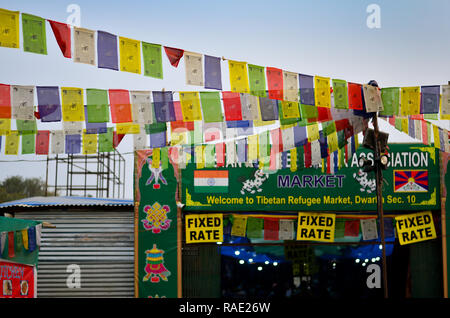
[(379, 183)]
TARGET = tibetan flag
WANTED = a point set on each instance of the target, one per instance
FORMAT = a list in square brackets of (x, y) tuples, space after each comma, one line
[(290, 87), (22, 102), (11, 252), (28, 144), (105, 141), (72, 104), (355, 99), (9, 28), (57, 141), (42, 142), (97, 105), (84, 43), (213, 72), (5, 100), (390, 97), (322, 93), (410, 181), (107, 54), (429, 101), (255, 228), (232, 106), (372, 98), (410, 101), (275, 82), (141, 107), (174, 55), (120, 104), (268, 108), (49, 104), (152, 59), (351, 228), (271, 229), (190, 106), (12, 143), (34, 36), (250, 110), (73, 144), (306, 85), (130, 55), (163, 106), (89, 143), (257, 80), (445, 102), (340, 94), (193, 68), (211, 181), (211, 106), (63, 37), (238, 76)]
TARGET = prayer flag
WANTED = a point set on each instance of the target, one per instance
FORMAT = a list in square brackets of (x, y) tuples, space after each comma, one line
[(316, 153), (429, 101), (72, 127), (12, 143), (286, 230), (410, 101), (294, 156), (73, 144), (306, 84), (271, 229), (97, 105), (241, 151), (275, 82), (255, 228), (355, 96), (49, 104), (268, 108), (9, 28), (158, 140), (249, 105), (127, 128), (152, 58), (257, 80), (390, 97), (5, 126), (238, 76), (34, 35), (220, 154), (141, 107), (26, 127), (107, 51), (63, 37), (28, 144), (31, 238), (211, 106), (313, 132), (11, 252), (351, 228), (174, 55), (339, 228), (252, 148), (322, 93), (290, 109), (5, 99), (232, 106), (287, 136), (300, 135), (193, 68), (163, 106), (239, 226), (372, 98), (209, 155), (436, 136), (89, 143), (130, 55), (190, 106), (199, 156), (42, 142), (72, 104), (340, 94), (231, 156), (445, 102), (213, 72), (369, 229), (120, 105), (22, 102), (84, 44), (57, 141), (290, 86), (24, 238), (105, 141)]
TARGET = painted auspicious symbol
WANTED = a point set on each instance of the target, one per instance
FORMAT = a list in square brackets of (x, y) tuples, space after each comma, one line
[(156, 219), (154, 267), (155, 176)]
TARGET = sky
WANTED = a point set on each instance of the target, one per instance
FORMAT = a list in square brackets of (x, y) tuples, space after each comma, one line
[(328, 38)]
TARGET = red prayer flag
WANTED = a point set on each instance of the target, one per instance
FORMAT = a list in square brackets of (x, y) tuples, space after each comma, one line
[(188, 125), (392, 120), (277, 142), (5, 101), (424, 132), (42, 142), (119, 100), (342, 124), (232, 106), (220, 154), (117, 138), (354, 96), (275, 82), (324, 114), (307, 150), (174, 55), (271, 229), (351, 228), (62, 35), (11, 253)]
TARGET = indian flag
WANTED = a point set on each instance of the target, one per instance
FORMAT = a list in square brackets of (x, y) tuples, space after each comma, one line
[(211, 181)]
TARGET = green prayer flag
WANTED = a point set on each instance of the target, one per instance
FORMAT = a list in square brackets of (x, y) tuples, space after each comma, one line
[(255, 227), (398, 124), (391, 101), (164, 154), (211, 106), (286, 121), (34, 35), (340, 94), (328, 127), (18, 241), (152, 58), (97, 105), (341, 139), (209, 155), (26, 127), (309, 111), (256, 76), (154, 128), (339, 229), (300, 157), (431, 116), (105, 141), (28, 144)]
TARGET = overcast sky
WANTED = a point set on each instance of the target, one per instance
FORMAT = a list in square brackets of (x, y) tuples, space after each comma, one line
[(327, 38)]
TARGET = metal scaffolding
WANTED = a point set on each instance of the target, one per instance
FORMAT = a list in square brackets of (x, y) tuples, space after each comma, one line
[(100, 175)]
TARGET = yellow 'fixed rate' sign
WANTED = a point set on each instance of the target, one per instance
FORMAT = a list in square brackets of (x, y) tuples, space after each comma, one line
[(204, 228), (415, 227), (316, 227)]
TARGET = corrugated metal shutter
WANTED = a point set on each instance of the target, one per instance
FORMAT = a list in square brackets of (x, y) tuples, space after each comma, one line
[(101, 243)]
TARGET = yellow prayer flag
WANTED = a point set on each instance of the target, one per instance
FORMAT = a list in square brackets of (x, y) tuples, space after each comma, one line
[(200, 156), (9, 28), (128, 128), (12, 143), (410, 101), (238, 76), (290, 109), (72, 104), (178, 138), (190, 106), (89, 143), (322, 91), (130, 55), (313, 132), (332, 142), (437, 141), (5, 126), (252, 148), (239, 226), (156, 157), (443, 112), (405, 125), (25, 238), (293, 159)]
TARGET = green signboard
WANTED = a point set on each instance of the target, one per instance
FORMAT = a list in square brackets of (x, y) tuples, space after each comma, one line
[(411, 182), (155, 229)]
